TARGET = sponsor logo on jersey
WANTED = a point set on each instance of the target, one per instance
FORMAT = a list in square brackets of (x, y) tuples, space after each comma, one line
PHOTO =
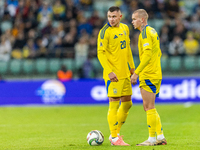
[(115, 37)]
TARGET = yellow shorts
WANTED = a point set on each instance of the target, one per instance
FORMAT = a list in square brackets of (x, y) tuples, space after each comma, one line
[(117, 89), (152, 85)]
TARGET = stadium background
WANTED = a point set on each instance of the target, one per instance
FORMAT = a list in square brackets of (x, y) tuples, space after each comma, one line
[(38, 36), (34, 43)]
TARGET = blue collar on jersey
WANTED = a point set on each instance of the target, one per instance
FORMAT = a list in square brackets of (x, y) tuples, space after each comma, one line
[(109, 24), (146, 26)]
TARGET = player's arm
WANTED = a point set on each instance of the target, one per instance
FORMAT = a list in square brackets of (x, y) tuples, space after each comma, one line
[(101, 50), (143, 63), (145, 60), (147, 53)]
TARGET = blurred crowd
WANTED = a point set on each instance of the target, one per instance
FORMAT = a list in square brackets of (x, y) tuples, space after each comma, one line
[(179, 31), (69, 28)]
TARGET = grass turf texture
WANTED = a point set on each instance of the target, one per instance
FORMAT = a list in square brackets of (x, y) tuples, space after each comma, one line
[(66, 127)]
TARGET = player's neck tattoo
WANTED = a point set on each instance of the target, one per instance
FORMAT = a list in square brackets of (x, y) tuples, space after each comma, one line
[(142, 27)]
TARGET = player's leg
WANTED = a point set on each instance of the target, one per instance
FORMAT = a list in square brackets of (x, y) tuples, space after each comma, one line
[(114, 99), (115, 139), (159, 130), (149, 107), (114, 93), (123, 111), (148, 92), (126, 103), (112, 115), (160, 136)]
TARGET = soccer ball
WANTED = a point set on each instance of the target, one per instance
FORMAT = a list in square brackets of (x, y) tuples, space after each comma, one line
[(95, 137)]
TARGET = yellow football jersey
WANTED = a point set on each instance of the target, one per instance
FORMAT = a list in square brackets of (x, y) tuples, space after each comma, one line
[(114, 52), (149, 49)]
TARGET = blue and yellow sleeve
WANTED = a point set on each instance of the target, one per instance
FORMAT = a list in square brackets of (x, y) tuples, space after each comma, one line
[(102, 45), (147, 51)]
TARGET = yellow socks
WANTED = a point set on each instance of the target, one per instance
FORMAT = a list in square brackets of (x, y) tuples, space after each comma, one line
[(151, 122), (159, 129), (123, 113), (112, 117), (154, 123), (117, 116)]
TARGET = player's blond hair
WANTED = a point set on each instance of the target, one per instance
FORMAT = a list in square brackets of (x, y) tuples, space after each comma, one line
[(142, 13)]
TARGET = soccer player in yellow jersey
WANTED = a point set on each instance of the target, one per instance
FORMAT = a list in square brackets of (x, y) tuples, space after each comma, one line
[(150, 75), (115, 56)]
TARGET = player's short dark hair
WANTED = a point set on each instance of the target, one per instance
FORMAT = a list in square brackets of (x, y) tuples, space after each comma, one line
[(114, 8)]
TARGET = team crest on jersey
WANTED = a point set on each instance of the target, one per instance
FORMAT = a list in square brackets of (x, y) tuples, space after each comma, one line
[(115, 91), (121, 34), (124, 32), (115, 37), (153, 31), (101, 44)]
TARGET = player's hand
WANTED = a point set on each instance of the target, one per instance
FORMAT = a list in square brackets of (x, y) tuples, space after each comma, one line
[(134, 79), (113, 77), (132, 71)]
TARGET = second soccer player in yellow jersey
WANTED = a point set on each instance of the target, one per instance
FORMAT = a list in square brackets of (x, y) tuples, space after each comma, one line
[(150, 75), (115, 56)]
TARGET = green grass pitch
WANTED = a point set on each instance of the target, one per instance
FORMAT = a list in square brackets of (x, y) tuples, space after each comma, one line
[(66, 127)]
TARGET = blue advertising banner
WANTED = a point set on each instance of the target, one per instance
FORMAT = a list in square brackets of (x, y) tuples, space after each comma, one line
[(90, 92)]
